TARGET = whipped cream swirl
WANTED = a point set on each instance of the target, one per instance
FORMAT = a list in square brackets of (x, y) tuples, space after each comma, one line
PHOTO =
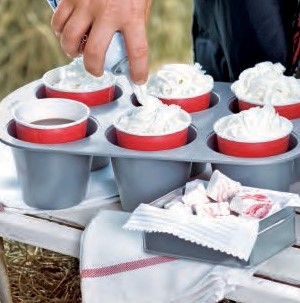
[(265, 83), (74, 77), (253, 125), (154, 119), (179, 81)]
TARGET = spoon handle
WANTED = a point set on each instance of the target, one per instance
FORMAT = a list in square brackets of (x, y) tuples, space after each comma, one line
[(53, 4)]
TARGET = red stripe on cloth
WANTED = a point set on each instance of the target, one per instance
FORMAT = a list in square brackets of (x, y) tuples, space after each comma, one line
[(2, 207), (123, 267)]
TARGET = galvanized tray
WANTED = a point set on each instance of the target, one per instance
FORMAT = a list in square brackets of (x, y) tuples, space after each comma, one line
[(276, 232)]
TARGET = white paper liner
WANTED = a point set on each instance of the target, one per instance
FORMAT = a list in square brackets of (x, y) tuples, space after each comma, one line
[(229, 234)]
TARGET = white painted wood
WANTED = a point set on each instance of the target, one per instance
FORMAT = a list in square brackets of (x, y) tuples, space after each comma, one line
[(56, 237), (39, 232), (284, 266), (257, 290), (297, 229)]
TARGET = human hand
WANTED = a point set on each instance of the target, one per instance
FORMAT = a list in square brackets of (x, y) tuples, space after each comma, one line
[(101, 19)]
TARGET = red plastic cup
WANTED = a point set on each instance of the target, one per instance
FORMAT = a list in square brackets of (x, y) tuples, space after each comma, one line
[(88, 97), (191, 104), (152, 142), (289, 111), (253, 149), (51, 121)]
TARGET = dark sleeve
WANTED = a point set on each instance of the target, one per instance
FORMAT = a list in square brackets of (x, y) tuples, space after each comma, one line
[(245, 32)]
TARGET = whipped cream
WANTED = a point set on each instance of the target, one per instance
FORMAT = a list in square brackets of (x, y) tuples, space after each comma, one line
[(265, 83), (253, 125), (155, 118), (179, 81), (74, 77)]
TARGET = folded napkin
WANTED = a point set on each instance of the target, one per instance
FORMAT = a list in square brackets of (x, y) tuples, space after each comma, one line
[(230, 234), (114, 268), (102, 192)]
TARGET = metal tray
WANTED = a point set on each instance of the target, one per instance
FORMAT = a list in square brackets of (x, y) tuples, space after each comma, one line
[(276, 232)]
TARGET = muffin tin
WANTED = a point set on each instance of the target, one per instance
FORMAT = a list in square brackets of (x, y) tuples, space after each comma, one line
[(276, 172)]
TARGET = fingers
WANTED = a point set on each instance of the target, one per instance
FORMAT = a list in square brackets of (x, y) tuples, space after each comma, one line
[(148, 9), (75, 28), (96, 47), (135, 38), (61, 15), (74, 18)]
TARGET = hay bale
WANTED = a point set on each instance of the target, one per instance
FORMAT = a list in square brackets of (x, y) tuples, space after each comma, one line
[(38, 275)]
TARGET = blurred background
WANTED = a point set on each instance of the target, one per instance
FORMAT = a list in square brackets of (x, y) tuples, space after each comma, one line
[(28, 46)]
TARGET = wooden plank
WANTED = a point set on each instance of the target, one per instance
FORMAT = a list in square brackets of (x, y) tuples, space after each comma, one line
[(39, 232), (257, 290), (283, 267)]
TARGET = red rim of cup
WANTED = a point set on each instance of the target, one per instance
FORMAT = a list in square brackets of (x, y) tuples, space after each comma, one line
[(190, 104), (151, 143), (148, 142), (289, 111), (253, 150), (51, 134), (89, 98)]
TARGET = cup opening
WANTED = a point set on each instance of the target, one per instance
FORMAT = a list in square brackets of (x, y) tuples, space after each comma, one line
[(51, 114), (214, 100), (40, 92), (211, 142), (111, 135), (92, 127)]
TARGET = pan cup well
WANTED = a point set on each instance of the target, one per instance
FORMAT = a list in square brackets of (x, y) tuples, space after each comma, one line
[(275, 176), (52, 180), (150, 178)]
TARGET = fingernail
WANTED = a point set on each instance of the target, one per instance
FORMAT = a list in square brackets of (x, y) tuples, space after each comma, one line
[(140, 82)]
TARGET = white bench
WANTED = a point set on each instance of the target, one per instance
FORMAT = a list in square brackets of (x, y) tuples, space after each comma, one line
[(276, 280)]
